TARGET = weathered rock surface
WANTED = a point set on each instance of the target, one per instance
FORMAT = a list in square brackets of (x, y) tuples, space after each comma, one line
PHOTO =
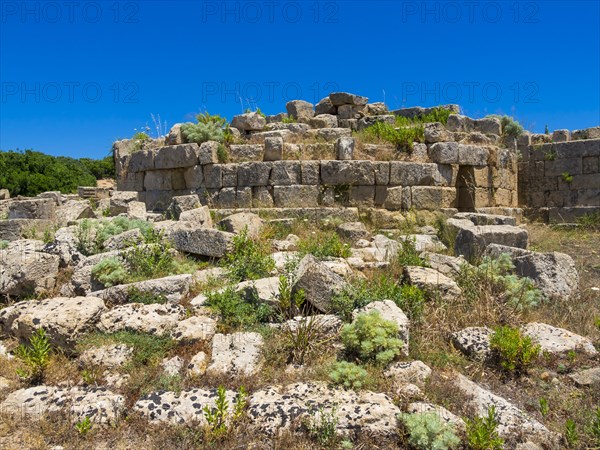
[(195, 239), (173, 288), (558, 340), (445, 264), (414, 372), (280, 408), (236, 353), (97, 403), (318, 282), (553, 273), (238, 222), (432, 281), (182, 203), (25, 270), (474, 342), (587, 377), (63, 319), (153, 319), (194, 329), (109, 356), (353, 231), (390, 311), (440, 411), (512, 421)]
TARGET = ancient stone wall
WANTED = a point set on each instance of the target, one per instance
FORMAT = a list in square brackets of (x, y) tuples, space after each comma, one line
[(560, 180)]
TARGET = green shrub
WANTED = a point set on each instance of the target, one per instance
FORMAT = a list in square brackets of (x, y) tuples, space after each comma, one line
[(571, 433), (110, 272), (222, 154), (3, 245), (303, 338), (249, 259), (205, 118), (402, 137), (349, 375), (202, 132), (510, 127), (595, 426), (134, 295), (410, 299), (84, 425), (149, 261), (91, 235), (35, 355), (218, 418), (493, 276), (482, 432), (323, 245), (590, 221), (514, 352), (236, 312), (427, 431), (371, 338), (408, 255), (289, 119), (138, 140), (322, 427), (289, 304)]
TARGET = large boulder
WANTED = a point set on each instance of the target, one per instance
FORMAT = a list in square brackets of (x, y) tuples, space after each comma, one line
[(345, 98), (249, 122), (319, 283), (558, 340), (353, 231), (25, 270), (63, 319), (512, 421), (237, 353), (200, 216), (278, 408), (472, 240), (96, 403), (236, 223), (73, 210), (300, 110), (119, 201), (182, 203), (433, 282), (35, 208), (109, 356), (154, 319), (196, 239), (553, 273), (173, 288)]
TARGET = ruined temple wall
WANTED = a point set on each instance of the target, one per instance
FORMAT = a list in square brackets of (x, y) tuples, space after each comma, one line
[(438, 175)]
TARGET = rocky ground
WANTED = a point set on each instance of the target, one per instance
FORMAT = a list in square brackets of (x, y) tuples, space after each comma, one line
[(126, 329)]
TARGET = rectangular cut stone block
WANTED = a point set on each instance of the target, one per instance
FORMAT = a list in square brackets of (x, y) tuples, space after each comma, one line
[(178, 179), (310, 172), (254, 174), (577, 149), (394, 201), (296, 196), (132, 181), (158, 180), (230, 197), (444, 152), (141, 161), (176, 156), (229, 174), (555, 168), (273, 149), (472, 155), (285, 173), (246, 152), (382, 173), (482, 177), (380, 195), (262, 197), (419, 174), (213, 176), (208, 153), (194, 177), (354, 173), (589, 197), (433, 197), (591, 164), (35, 208), (502, 197), (362, 195)]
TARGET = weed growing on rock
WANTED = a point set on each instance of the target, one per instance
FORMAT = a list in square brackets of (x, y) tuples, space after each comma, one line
[(303, 338), (217, 418), (571, 433), (349, 375), (590, 221), (426, 431), (135, 295), (323, 245), (322, 427), (482, 432), (513, 351), (91, 236), (249, 259), (510, 127), (408, 255), (202, 132), (235, 311), (3, 245), (371, 338), (35, 355), (110, 272), (84, 425)]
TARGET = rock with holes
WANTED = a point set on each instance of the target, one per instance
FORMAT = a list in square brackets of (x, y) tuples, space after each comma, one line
[(153, 319), (109, 356), (553, 273), (433, 282), (440, 411), (512, 421), (558, 340), (414, 372), (195, 329), (172, 366), (237, 353), (97, 403), (65, 246), (25, 270), (319, 283), (283, 408), (474, 342), (185, 407), (63, 319)]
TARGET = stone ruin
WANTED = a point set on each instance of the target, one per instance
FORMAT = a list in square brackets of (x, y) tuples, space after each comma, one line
[(465, 165)]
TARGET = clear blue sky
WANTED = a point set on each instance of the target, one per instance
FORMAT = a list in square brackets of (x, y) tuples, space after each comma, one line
[(77, 75)]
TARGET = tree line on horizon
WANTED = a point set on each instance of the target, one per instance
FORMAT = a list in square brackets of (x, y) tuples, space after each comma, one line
[(29, 172)]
